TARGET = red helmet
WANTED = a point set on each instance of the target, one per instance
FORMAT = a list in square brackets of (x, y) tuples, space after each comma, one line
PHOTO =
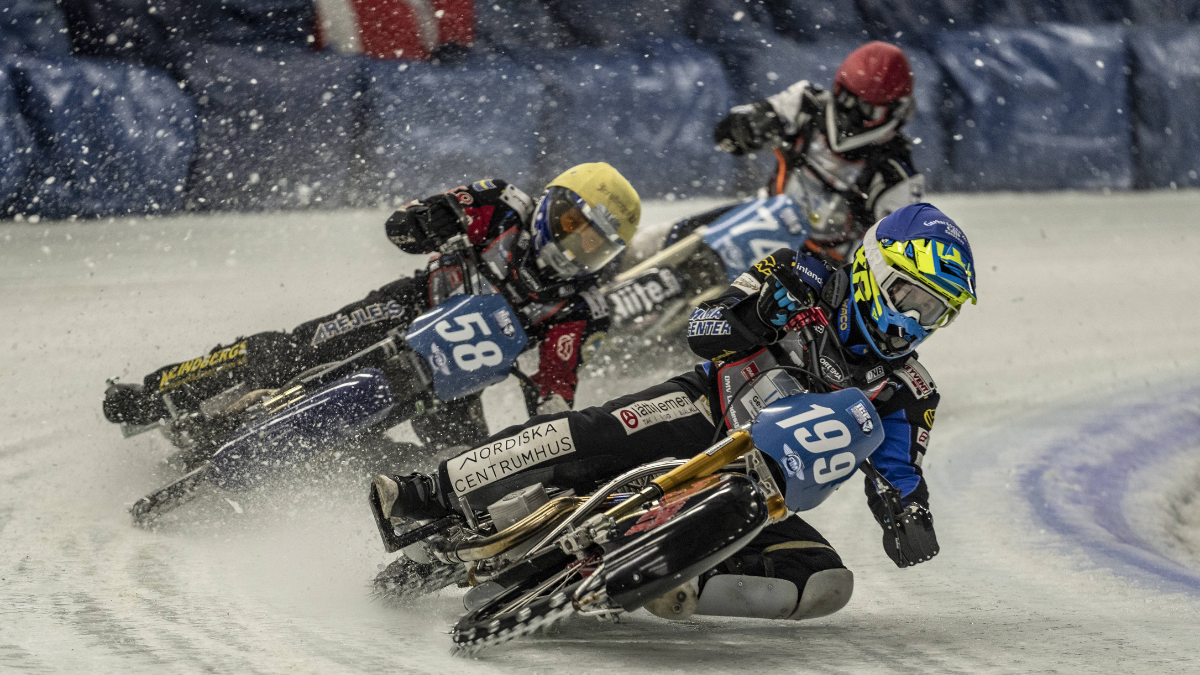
[(876, 72), (872, 96)]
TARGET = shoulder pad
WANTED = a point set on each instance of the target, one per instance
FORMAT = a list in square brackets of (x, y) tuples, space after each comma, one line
[(916, 378), (518, 201), (836, 288)]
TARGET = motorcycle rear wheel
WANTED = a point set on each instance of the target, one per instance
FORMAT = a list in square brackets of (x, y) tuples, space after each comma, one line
[(520, 611)]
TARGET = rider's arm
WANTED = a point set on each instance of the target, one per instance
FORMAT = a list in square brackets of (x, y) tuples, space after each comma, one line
[(888, 183), (907, 421), (730, 324), (560, 354), (423, 225), (775, 121)]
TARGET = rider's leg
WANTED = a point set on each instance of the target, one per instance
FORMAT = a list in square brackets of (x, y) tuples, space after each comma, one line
[(581, 448), (457, 422), (268, 359), (789, 571)]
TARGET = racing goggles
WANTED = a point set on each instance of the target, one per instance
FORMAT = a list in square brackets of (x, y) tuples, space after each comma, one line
[(577, 239), (905, 294)]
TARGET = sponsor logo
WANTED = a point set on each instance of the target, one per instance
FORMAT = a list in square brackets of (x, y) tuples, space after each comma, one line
[(916, 381), (204, 366), (792, 464), (791, 220), (830, 370), (844, 318), (766, 265), (750, 370), (642, 414), (565, 347), (465, 198), (504, 318), (437, 359), (363, 316), (700, 328), (811, 274), (668, 506), (923, 438), (504, 457), (874, 373), (747, 283), (637, 298), (860, 414), (929, 415), (931, 223)]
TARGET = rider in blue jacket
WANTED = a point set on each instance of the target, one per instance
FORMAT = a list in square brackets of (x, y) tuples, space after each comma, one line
[(861, 322)]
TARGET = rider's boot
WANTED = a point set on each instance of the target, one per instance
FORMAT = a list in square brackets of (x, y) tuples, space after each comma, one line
[(825, 592), (132, 404), (397, 500)]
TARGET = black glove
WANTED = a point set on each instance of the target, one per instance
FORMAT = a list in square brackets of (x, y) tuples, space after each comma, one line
[(783, 295), (749, 129), (422, 227), (908, 536)]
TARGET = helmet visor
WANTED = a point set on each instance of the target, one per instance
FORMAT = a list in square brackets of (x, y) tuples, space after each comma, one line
[(582, 239), (914, 300)]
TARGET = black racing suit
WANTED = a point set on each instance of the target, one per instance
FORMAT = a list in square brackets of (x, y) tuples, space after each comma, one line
[(871, 181), (680, 417), (558, 318)]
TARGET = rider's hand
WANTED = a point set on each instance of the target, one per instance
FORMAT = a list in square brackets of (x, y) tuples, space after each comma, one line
[(554, 403), (425, 225), (749, 128), (908, 536), (783, 295)]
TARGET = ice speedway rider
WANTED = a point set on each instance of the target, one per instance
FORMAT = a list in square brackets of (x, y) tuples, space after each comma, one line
[(912, 274), (543, 257), (846, 143)]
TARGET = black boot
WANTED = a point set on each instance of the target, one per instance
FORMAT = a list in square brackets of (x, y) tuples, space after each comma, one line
[(132, 404), (398, 501)]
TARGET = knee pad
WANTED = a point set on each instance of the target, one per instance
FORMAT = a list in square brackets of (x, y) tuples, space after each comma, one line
[(825, 592)]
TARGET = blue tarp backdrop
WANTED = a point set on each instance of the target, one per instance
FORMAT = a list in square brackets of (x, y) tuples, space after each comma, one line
[(1040, 108), (431, 128), (277, 127), (108, 138), (15, 144), (33, 27), (648, 112), (1166, 96)]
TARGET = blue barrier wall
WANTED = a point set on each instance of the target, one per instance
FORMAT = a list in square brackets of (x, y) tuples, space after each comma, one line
[(15, 145), (428, 129), (34, 27), (1040, 108), (108, 138), (649, 113), (622, 23), (519, 24), (1166, 97), (276, 128)]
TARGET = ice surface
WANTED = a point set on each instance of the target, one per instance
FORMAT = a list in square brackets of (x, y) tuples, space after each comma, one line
[(1086, 304)]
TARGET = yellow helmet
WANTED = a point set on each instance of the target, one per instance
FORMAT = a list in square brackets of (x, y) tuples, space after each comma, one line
[(586, 217)]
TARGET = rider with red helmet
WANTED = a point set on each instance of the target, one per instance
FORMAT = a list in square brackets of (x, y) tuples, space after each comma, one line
[(841, 153)]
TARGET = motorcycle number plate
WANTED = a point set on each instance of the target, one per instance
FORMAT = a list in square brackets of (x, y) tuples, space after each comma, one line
[(469, 341), (751, 231)]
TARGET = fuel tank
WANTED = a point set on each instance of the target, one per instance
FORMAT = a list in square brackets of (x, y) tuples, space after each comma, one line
[(338, 411)]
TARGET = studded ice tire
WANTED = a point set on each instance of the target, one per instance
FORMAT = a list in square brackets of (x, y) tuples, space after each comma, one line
[(403, 579), (499, 621)]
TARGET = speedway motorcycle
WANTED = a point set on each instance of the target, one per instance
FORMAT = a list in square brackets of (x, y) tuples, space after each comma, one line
[(241, 439), (537, 555)]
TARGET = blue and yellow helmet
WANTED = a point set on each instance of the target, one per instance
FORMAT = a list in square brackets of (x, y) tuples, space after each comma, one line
[(912, 274)]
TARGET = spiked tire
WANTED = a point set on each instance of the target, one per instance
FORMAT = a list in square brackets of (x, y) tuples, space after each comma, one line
[(512, 615), (403, 579)]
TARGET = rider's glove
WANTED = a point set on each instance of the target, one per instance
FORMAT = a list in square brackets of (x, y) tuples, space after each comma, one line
[(749, 128), (554, 403), (908, 536), (783, 295), (425, 225)]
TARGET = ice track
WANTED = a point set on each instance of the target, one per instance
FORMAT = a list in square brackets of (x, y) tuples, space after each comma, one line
[(1065, 467)]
